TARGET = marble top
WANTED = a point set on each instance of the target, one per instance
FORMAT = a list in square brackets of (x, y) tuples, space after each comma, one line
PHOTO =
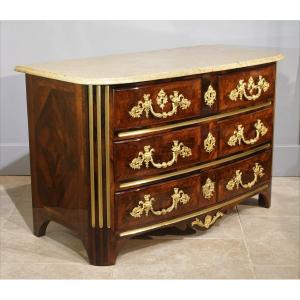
[(144, 66)]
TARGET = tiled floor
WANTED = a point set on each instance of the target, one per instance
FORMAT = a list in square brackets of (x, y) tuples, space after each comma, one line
[(251, 242)]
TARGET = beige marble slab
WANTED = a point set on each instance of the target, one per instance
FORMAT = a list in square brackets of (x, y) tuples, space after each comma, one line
[(144, 66)]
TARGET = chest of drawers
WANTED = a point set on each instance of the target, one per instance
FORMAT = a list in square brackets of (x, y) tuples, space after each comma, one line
[(122, 145)]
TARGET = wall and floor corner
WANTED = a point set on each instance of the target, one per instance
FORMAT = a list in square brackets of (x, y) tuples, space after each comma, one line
[(25, 42)]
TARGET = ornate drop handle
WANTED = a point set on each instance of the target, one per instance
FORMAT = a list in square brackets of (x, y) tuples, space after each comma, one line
[(236, 181), (242, 88), (146, 156), (178, 100), (238, 134), (208, 221), (146, 206)]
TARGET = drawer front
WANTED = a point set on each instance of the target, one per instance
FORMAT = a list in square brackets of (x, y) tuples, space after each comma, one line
[(240, 177), (245, 131), (143, 157), (146, 206), (246, 88), (150, 105)]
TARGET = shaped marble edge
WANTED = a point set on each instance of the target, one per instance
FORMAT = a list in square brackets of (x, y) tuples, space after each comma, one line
[(153, 65)]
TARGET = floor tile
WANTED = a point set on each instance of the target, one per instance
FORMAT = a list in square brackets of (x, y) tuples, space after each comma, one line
[(17, 223), (182, 271), (277, 272), (272, 240), (53, 271), (189, 251), (285, 201), (183, 259), (9, 182), (274, 251), (255, 242), (265, 227), (2, 220), (6, 206), (58, 247), (16, 199), (286, 179)]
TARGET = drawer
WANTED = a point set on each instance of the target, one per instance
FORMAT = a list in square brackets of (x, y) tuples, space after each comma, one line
[(148, 156), (245, 131), (162, 201), (154, 104), (237, 178), (245, 88), (159, 202)]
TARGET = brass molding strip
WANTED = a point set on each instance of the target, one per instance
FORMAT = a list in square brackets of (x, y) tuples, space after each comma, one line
[(193, 215), (107, 155), (99, 155), (91, 138), (192, 122), (195, 168)]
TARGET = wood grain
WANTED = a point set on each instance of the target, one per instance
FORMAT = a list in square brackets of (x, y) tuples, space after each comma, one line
[(227, 128), (60, 158), (125, 98), (57, 114), (228, 82)]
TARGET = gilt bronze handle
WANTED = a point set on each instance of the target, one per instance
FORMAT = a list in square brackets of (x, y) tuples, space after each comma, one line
[(178, 149), (144, 207), (236, 180), (250, 91), (238, 134), (177, 100)]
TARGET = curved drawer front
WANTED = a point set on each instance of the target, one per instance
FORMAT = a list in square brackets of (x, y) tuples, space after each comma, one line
[(244, 88), (161, 153), (154, 104), (245, 131), (145, 206), (173, 198), (240, 177)]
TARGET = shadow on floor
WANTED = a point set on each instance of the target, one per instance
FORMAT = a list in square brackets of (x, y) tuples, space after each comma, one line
[(21, 198), (253, 201), (167, 231), (17, 167)]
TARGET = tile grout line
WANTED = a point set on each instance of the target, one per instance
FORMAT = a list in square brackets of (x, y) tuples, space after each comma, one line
[(246, 245)]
